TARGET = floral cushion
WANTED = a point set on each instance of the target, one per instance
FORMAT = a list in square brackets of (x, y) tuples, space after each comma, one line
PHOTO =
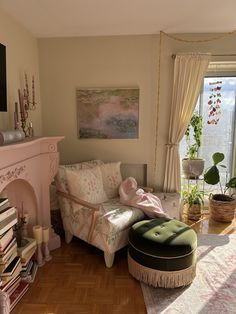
[(61, 180), (112, 179), (86, 184)]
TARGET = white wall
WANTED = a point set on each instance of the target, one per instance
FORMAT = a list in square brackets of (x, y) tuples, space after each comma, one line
[(119, 61), (22, 57)]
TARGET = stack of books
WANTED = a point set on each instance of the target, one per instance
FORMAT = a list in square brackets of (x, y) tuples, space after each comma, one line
[(10, 261), (28, 261)]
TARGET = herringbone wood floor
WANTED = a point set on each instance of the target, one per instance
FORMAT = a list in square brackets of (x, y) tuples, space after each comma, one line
[(77, 281)]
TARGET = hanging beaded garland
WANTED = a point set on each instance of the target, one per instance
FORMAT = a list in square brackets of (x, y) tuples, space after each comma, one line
[(214, 102)]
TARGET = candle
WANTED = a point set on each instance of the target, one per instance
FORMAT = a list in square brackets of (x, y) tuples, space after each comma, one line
[(15, 121), (26, 91), (45, 234), (37, 231), (21, 101), (16, 111), (33, 93)]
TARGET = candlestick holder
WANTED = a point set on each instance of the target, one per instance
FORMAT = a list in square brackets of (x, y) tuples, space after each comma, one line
[(40, 260), (38, 235), (46, 252), (26, 103)]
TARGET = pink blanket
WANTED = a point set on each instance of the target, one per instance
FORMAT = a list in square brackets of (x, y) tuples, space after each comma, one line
[(147, 202)]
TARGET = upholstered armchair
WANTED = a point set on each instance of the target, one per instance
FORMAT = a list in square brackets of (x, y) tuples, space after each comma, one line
[(90, 207)]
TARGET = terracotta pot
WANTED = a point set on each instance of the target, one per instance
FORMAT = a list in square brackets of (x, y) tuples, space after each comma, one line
[(192, 168)]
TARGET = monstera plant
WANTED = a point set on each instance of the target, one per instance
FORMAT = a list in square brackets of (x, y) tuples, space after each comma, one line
[(222, 206)]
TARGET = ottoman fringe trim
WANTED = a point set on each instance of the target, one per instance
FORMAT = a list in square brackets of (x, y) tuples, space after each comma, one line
[(159, 278)]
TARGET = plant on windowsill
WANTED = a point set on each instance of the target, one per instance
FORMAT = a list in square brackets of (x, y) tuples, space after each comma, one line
[(193, 199), (192, 165), (222, 206)]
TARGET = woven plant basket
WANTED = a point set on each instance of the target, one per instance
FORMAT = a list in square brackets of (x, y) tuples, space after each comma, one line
[(222, 210), (194, 212)]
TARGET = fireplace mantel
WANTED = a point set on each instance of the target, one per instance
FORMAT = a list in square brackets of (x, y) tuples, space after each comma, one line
[(27, 169)]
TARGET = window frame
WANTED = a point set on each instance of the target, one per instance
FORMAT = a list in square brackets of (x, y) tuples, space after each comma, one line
[(224, 73)]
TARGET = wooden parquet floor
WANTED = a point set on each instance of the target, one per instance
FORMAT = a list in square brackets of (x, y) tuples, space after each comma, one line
[(77, 281)]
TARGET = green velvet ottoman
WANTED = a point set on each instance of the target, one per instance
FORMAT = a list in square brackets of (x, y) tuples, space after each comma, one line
[(162, 252)]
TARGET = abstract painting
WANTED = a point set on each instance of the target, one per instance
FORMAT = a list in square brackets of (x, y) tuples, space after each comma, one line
[(108, 113)]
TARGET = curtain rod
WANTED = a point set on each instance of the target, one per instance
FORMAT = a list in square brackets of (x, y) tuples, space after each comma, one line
[(229, 55)]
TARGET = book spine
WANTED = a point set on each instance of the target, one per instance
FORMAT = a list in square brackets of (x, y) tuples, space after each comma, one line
[(3, 200), (4, 206), (7, 213), (8, 226), (6, 239)]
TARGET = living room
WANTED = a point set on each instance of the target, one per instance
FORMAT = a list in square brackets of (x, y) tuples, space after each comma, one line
[(64, 58)]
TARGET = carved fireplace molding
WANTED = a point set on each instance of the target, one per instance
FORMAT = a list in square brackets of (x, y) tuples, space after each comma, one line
[(26, 172)]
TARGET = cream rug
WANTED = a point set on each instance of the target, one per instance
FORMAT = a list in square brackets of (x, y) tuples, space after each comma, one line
[(213, 291)]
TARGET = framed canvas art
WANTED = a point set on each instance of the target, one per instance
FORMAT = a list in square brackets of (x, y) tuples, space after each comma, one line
[(108, 113)]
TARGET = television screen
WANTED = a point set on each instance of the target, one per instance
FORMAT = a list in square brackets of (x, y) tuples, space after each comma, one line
[(3, 81)]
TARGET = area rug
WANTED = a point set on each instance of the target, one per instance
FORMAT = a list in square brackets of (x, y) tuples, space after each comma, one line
[(213, 291)]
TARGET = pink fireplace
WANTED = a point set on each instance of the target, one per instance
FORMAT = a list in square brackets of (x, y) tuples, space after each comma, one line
[(26, 171)]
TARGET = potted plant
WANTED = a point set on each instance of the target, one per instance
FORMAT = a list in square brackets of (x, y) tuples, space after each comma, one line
[(192, 165), (222, 206), (193, 199)]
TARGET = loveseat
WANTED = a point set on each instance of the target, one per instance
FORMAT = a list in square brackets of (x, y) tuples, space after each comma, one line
[(90, 207)]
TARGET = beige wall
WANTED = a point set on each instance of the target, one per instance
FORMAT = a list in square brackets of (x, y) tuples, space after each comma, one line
[(98, 62), (113, 61), (22, 57)]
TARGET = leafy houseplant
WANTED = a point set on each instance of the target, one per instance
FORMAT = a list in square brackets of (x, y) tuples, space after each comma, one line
[(194, 199), (196, 125), (192, 165), (222, 206)]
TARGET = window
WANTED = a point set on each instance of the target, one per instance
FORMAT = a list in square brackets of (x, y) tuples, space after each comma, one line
[(216, 104)]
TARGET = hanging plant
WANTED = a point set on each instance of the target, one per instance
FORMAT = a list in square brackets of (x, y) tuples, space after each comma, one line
[(214, 102), (193, 144)]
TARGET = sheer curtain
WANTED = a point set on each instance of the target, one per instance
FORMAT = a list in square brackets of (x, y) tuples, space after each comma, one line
[(189, 70)]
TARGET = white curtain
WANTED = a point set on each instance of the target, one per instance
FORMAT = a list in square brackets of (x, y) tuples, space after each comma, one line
[(189, 71)]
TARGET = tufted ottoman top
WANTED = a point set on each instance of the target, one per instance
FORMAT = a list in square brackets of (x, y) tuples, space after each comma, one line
[(163, 244)]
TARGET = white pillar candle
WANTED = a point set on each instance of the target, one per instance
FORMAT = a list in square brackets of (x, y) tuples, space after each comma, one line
[(45, 234), (38, 234)]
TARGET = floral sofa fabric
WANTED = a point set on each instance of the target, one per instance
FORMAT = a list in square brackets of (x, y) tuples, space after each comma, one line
[(111, 226), (106, 228)]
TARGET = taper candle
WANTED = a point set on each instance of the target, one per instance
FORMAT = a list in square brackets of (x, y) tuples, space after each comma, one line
[(22, 108), (33, 91), (15, 121), (45, 234), (38, 234), (16, 111)]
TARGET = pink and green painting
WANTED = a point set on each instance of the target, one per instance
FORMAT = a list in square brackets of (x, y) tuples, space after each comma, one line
[(107, 113)]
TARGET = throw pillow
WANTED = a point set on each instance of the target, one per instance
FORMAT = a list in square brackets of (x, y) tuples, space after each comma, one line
[(111, 178), (86, 184), (61, 180)]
